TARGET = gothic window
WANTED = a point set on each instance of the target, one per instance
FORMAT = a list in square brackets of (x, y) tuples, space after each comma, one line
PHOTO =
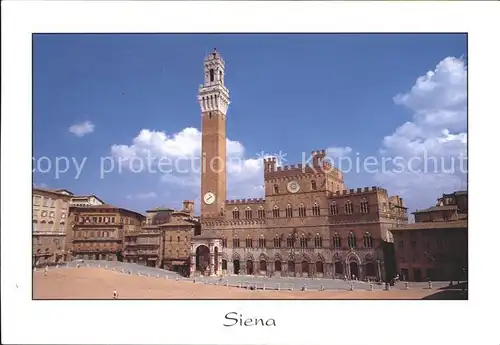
[(302, 210), (348, 208), (351, 240), (224, 243), (220, 76), (248, 213), (318, 241), (261, 212), (276, 211), (289, 212), (303, 242), (178, 238), (276, 188), (367, 240), (262, 242), (364, 206), (334, 209), (315, 210), (248, 243), (313, 185), (222, 210), (277, 242), (211, 75), (290, 242), (336, 241), (236, 242), (236, 213), (413, 242)]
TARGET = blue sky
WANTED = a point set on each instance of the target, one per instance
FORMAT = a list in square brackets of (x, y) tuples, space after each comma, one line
[(355, 95)]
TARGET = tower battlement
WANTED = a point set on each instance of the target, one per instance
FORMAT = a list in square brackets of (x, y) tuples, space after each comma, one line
[(357, 191), (245, 201), (315, 165)]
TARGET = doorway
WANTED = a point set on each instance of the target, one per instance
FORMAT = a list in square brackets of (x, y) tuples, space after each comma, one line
[(236, 266)]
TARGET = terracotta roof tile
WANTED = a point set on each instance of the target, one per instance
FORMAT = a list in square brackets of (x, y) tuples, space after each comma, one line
[(453, 224), (438, 208)]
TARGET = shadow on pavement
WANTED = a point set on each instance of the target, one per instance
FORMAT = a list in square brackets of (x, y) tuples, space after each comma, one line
[(449, 293)]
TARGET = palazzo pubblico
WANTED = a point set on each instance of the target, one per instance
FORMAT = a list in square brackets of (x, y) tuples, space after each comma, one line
[(308, 224)]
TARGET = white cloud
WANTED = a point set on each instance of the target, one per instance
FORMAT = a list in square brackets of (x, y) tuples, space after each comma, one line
[(436, 133), (81, 129), (337, 152), (180, 154), (142, 196)]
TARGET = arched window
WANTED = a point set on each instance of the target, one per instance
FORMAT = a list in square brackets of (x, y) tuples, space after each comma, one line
[(289, 212), (212, 75), (262, 242), (276, 211), (277, 242), (302, 210), (248, 243), (348, 208), (303, 241), (236, 242), (367, 240), (336, 241), (364, 206), (236, 213), (290, 243), (318, 241), (315, 210), (276, 189), (351, 240), (313, 185), (220, 76), (334, 209), (222, 210), (261, 213), (248, 213), (224, 243)]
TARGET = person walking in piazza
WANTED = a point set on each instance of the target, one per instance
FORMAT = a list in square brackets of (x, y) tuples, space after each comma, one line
[(46, 269), (115, 294)]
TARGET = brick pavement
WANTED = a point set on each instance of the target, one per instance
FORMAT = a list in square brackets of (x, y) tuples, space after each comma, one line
[(98, 283)]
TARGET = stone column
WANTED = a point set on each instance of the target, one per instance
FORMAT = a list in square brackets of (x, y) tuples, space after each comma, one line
[(312, 269), (212, 263), (243, 266), (333, 270), (361, 272), (219, 265), (192, 264)]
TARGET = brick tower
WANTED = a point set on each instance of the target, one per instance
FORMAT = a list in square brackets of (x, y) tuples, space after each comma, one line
[(213, 97)]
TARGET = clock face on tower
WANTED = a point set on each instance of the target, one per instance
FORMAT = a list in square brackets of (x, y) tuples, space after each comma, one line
[(209, 198), (293, 186)]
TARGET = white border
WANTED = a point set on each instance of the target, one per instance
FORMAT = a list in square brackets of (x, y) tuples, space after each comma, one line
[(353, 322)]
